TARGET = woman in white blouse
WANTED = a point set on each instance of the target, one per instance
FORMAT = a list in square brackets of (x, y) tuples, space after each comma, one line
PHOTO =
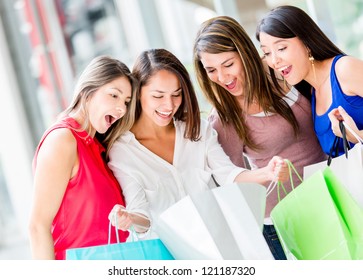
[(170, 152)]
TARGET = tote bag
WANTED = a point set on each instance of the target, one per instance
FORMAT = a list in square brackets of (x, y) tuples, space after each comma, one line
[(223, 223), (347, 167), (320, 220), (151, 249)]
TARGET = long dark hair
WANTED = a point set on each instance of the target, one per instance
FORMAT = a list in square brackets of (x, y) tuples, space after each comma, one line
[(290, 22), (225, 34), (151, 61)]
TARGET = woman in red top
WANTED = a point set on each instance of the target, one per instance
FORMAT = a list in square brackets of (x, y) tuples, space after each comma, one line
[(74, 190)]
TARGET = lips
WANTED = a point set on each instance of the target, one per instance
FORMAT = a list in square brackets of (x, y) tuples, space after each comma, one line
[(285, 70), (164, 114), (231, 84), (110, 119)]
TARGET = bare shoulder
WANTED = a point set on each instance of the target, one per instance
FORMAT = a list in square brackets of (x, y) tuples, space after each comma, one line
[(59, 141), (349, 73), (348, 65)]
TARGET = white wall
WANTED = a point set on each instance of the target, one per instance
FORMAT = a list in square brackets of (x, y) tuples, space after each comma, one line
[(15, 152)]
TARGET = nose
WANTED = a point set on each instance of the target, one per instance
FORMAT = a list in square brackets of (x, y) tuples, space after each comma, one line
[(168, 102), (222, 76), (275, 59), (121, 108)]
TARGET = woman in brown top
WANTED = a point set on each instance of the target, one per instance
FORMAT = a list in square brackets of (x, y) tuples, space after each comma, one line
[(254, 117)]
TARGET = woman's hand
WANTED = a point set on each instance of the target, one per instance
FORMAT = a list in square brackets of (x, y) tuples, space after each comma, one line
[(275, 170), (123, 218), (339, 114), (278, 169)]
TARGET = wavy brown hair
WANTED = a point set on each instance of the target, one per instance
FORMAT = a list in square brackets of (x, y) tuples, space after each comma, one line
[(224, 34)]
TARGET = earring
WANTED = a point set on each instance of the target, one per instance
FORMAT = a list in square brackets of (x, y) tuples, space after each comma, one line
[(311, 58)]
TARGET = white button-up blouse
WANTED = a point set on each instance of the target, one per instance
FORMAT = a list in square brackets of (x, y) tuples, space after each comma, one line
[(150, 184)]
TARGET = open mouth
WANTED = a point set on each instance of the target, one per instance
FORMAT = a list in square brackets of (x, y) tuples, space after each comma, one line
[(231, 84), (110, 119), (164, 114), (285, 70)]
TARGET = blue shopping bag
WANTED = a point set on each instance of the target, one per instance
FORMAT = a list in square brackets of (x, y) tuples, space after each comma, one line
[(150, 249)]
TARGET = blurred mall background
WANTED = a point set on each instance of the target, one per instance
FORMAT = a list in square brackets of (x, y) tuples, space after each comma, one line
[(44, 44)]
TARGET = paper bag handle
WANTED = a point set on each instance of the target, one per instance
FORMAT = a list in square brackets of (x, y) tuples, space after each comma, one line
[(279, 184), (131, 229), (357, 137), (335, 147)]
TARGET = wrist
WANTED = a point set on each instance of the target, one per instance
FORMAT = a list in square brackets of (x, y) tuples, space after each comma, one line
[(360, 134), (265, 175)]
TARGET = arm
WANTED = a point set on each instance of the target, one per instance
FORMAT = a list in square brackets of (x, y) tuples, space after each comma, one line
[(56, 162), (137, 206), (225, 171), (125, 220), (276, 170), (349, 73), (338, 114)]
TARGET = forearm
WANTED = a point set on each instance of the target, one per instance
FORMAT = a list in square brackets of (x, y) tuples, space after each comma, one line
[(360, 134), (42, 245), (354, 139), (140, 222), (260, 176)]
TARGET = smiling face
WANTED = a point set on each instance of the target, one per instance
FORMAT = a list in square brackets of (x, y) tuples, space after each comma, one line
[(226, 70), (161, 98), (108, 104), (288, 56)]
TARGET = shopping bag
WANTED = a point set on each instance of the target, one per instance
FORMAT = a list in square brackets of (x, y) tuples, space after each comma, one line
[(223, 223), (320, 220), (151, 249), (347, 167)]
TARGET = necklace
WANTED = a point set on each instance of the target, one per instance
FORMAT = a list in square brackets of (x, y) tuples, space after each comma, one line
[(323, 82), (324, 68)]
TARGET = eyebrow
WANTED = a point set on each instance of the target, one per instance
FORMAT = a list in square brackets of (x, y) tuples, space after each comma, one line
[(276, 42), (227, 60), (121, 92), (160, 91)]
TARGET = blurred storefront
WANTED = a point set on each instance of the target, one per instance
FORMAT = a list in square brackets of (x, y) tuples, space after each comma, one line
[(45, 44)]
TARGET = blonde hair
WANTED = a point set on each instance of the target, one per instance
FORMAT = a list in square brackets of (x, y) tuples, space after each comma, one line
[(100, 71)]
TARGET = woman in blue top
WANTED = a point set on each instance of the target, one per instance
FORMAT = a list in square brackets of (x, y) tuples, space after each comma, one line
[(294, 45)]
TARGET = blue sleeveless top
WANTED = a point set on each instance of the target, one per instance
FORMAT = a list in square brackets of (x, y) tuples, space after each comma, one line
[(353, 105)]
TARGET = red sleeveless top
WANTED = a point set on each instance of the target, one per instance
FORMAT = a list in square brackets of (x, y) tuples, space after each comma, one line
[(82, 219)]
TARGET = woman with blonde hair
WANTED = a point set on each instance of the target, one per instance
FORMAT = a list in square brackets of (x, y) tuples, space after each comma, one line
[(74, 190)]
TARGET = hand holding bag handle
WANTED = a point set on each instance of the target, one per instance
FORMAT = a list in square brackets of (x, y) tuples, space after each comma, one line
[(279, 184), (359, 139), (150, 249), (348, 168), (133, 232), (335, 147)]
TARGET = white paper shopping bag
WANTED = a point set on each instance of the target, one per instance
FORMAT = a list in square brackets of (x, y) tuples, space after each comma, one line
[(185, 232), (348, 170), (222, 223)]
